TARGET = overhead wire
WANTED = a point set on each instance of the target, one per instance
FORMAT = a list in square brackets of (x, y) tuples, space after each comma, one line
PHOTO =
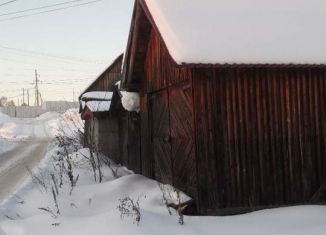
[(16, 96), (12, 90), (49, 11), (71, 77), (54, 82), (15, 83), (37, 58), (68, 58), (43, 12), (47, 66), (39, 8), (5, 3)]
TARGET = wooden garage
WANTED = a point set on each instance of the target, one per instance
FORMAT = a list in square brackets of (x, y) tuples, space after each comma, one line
[(109, 128), (101, 109), (237, 126)]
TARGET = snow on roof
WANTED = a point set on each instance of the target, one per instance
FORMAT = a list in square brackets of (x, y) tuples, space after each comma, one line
[(98, 106), (237, 31), (97, 95), (83, 104)]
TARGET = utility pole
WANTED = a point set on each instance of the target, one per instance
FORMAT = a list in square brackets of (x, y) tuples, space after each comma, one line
[(36, 89), (73, 94), (28, 97), (23, 96), (41, 98)]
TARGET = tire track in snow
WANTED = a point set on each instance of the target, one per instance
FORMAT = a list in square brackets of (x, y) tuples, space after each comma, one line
[(28, 152), (14, 162)]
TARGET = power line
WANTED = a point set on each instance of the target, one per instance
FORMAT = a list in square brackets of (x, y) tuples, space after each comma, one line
[(16, 96), (10, 90), (67, 79), (50, 55), (39, 8), (49, 11), (15, 82), (71, 77), (5, 3), (53, 58), (49, 77), (48, 66)]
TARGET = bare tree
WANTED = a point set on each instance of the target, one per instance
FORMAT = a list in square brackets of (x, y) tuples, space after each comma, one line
[(3, 101)]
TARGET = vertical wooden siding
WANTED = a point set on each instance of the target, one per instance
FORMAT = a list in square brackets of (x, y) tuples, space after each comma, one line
[(261, 135), (134, 142), (159, 74), (145, 136), (129, 140), (107, 140), (260, 132), (160, 71), (108, 78), (87, 131)]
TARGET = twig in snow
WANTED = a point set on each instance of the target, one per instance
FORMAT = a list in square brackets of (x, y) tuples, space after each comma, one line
[(47, 209), (129, 207)]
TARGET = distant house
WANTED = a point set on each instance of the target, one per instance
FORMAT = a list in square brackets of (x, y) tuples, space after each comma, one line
[(58, 106), (35, 111), (233, 99)]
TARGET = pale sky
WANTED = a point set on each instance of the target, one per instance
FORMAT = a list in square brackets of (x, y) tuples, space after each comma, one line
[(69, 48)]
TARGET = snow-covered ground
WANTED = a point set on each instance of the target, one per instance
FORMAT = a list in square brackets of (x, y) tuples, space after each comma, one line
[(15, 130), (43, 206), (92, 209), (47, 125), (6, 145), (23, 143)]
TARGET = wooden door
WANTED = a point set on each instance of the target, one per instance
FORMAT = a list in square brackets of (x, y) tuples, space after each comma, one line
[(182, 138), (161, 137), (134, 159), (123, 139), (173, 137)]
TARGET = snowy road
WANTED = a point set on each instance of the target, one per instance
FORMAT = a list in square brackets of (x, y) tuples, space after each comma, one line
[(13, 164), (32, 140)]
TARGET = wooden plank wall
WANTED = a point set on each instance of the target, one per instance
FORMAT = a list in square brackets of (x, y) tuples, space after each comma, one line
[(159, 73), (134, 142), (107, 140), (261, 135), (145, 133), (89, 135), (123, 139), (108, 78), (87, 131), (160, 70), (130, 140), (260, 132)]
